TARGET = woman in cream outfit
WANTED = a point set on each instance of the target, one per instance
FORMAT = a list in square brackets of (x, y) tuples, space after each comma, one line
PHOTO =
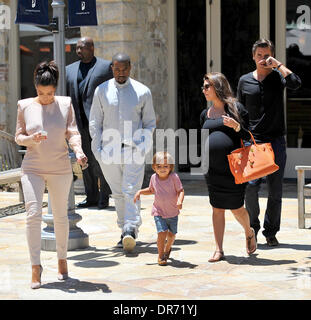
[(44, 123)]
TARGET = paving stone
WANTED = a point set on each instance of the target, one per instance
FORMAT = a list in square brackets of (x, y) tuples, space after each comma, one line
[(104, 272)]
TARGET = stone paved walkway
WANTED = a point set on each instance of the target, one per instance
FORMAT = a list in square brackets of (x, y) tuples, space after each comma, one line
[(103, 271)]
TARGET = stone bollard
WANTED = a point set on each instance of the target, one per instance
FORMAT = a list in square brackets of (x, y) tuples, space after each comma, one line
[(77, 238)]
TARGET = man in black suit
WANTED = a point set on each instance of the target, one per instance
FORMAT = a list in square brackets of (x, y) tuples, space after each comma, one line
[(82, 78)]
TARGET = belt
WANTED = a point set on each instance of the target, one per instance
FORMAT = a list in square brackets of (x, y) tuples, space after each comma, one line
[(123, 145)]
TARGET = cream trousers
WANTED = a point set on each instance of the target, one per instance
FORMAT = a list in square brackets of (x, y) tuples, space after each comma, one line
[(124, 181), (33, 188)]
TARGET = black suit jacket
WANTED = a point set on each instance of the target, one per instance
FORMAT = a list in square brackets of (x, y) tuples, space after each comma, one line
[(99, 73)]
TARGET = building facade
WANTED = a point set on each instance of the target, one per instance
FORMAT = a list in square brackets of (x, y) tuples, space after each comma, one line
[(172, 44), (4, 62)]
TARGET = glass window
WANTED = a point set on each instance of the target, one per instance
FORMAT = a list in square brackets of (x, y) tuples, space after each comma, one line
[(298, 53)]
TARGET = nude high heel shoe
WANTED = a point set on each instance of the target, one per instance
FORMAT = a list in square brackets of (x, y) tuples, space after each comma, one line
[(36, 273), (62, 270)]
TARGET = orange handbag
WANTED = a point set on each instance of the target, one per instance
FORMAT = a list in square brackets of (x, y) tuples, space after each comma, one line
[(252, 162)]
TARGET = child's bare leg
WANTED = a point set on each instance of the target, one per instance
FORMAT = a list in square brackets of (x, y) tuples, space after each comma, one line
[(161, 243), (170, 241)]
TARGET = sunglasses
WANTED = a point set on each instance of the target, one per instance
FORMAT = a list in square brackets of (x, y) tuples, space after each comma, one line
[(206, 86)]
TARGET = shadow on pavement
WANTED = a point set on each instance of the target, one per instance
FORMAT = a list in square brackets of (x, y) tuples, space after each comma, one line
[(144, 247), (302, 247), (254, 261), (176, 264), (183, 242), (72, 285), (96, 258), (109, 208), (96, 264), (180, 264)]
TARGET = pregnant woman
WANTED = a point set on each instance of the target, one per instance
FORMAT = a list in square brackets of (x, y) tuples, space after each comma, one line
[(227, 122)]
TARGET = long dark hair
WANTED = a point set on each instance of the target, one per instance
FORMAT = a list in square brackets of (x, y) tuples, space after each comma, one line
[(224, 93), (46, 74)]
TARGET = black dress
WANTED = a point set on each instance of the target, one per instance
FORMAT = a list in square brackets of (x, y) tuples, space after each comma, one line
[(223, 192)]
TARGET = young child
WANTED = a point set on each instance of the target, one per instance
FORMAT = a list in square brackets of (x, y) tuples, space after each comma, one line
[(169, 196)]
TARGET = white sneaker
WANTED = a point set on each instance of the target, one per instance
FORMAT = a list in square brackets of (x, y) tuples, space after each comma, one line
[(128, 242)]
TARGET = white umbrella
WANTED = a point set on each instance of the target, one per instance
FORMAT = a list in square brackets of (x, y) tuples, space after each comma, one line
[(28, 30), (50, 39)]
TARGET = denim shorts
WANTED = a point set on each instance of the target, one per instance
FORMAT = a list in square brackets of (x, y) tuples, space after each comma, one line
[(163, 224)]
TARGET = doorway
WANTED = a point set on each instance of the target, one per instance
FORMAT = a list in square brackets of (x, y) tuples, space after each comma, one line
[(298, 102), (239, 31), (211, 36), (191, 66)]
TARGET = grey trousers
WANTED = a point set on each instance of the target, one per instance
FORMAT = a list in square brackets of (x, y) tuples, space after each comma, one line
[(33, 188)]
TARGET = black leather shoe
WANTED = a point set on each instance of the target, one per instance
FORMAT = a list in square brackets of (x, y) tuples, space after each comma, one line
[(272, 241), (120, 244), (86, 204), (103, 205)]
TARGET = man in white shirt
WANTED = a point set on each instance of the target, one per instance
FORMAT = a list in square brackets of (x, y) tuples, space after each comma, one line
[(122, 109)]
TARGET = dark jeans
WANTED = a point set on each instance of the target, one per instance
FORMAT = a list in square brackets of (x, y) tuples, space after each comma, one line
[(275, 188), (95, 192)]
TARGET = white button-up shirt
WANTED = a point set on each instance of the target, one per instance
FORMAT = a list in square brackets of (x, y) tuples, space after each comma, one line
[(125, 108)]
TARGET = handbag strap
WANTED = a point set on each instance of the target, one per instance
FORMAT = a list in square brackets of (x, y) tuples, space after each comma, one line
[(254, 142)]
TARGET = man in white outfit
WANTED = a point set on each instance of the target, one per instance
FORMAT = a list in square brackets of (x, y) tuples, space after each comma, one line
[(122, 120)]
